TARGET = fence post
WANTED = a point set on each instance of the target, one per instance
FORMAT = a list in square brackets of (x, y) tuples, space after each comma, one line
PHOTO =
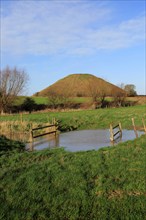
[(114, 133), (133, 123), (21, 118), (120, 126), (144, 125), (10, 136), (56, 127), (111, 133), (30, 134)]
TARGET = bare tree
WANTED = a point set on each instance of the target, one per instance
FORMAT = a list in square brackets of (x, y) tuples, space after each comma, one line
[(130, 90), (97, 93), (58, 100), (121, 85), (119, 98), (92, 89), (54, 99), (12, 83)]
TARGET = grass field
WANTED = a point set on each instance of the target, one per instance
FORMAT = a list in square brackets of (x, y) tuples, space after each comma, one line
[(87, 119), (108, 184), (38, 100), (45, 100), (78, 100)]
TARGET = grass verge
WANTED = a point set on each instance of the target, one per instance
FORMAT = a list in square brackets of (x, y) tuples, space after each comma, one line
[(55, 184), (87, 119)]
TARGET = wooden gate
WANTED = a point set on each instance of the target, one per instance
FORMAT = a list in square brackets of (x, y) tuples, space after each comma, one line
[(115, 132), (52, 129)]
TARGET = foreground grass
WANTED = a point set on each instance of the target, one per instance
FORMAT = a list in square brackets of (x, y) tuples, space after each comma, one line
[(55, 184), (8, 146), (88, 119)]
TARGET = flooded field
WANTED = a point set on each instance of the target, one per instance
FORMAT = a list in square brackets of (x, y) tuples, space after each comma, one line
[(81, 140)]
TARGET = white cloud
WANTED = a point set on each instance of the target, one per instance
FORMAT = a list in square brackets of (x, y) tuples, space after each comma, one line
[(123, 35), (47, 27)]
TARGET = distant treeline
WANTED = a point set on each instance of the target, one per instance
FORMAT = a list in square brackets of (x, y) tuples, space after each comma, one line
[(30, 105)]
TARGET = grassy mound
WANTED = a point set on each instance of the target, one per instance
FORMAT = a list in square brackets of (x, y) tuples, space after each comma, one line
[(80, 85), (55, 184)]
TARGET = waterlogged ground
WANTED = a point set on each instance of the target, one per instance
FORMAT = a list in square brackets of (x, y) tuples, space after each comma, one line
[(82, 140)]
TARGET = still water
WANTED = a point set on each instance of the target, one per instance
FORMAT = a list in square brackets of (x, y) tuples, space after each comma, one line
[(81, 140)]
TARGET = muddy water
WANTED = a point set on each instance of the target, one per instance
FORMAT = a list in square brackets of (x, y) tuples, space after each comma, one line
[(82, 140)]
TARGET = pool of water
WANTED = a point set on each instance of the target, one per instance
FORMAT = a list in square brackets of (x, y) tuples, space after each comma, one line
[(81, 140)]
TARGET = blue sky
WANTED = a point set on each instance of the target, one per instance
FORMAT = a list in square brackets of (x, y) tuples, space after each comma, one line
[(52, 39)]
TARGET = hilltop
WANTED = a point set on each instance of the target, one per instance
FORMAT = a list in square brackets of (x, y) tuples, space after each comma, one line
[(81, 85)]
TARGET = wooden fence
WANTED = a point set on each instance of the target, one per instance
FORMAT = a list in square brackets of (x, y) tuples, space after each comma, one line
[(144, 126), (135, 128), (52, 129), (26, 131), (115, 132)]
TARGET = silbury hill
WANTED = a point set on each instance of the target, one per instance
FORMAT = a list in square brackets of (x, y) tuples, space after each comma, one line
[(81, 85)]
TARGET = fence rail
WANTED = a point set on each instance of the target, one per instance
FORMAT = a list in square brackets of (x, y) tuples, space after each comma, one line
[(33, 135), (26, 131), (114, 131)]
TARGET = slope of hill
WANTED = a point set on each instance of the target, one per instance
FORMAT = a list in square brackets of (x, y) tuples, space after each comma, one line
[(81, 85)]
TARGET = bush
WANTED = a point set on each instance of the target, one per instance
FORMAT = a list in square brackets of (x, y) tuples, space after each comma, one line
[(29, 105)]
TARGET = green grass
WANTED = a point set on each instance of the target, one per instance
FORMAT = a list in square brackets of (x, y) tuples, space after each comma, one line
[(45, 100), (8, 146), (88, 119), (19, 100), (38, 100), (108, 184), (41, 100)]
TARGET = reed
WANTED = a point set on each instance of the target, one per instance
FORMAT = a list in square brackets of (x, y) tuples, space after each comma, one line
[(20, 130)]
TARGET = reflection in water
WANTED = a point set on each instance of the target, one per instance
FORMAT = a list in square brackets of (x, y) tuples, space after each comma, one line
[(81, 140), (42, 143)]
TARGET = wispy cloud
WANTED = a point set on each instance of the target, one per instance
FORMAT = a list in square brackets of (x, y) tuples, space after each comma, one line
[(50, 27)]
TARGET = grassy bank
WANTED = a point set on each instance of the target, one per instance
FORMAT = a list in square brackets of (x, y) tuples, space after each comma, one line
[(55, 184), (9, 146), (87, 119)]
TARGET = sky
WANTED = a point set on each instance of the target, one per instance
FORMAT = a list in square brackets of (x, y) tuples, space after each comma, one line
[(51, 39)]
